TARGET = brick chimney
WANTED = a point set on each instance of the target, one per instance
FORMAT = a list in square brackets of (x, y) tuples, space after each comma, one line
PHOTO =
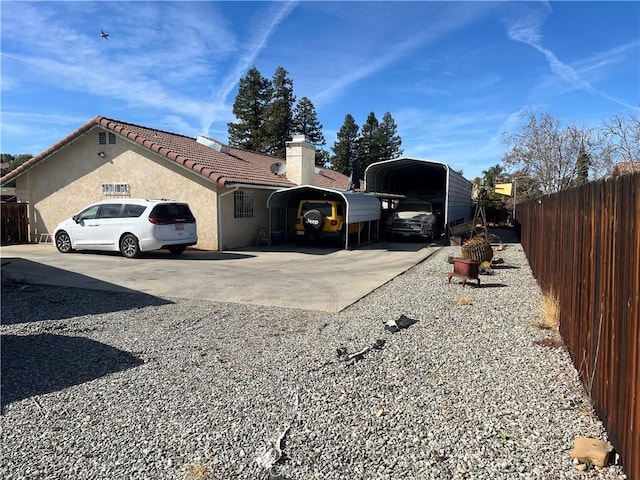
[(301, 161)]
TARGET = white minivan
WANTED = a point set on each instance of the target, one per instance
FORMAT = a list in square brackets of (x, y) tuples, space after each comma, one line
[(129, 226)]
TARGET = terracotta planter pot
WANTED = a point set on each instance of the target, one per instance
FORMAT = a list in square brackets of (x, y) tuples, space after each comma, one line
[(465, 269)]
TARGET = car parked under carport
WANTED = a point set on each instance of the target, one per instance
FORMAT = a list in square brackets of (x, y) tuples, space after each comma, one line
[(360, 208), (446, 189)]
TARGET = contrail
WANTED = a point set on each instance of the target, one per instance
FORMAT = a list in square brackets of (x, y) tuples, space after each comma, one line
[(527, 31), (218, 97)]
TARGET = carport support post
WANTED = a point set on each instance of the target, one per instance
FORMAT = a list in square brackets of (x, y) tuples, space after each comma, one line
[(346, 226)]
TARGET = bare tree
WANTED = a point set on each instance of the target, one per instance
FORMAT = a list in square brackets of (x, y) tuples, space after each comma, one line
[(547, 153), (621, 139)]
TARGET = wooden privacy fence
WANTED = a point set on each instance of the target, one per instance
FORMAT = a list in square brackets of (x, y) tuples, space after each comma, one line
[(583, 246)]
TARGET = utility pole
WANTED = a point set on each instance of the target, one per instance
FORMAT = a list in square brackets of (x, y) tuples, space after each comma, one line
[(515, 193)]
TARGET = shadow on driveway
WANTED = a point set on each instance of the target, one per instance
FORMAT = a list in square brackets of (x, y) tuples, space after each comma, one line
[(44, 363), (326, 248), (189, 254), (23, 301)]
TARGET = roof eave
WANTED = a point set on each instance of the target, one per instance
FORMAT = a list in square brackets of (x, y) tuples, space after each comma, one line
[(52, 150), (253, 186)]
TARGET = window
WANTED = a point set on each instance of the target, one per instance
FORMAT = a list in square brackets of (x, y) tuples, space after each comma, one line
[(110, 210), (324, 207), (171, 213), (89, 213), (115, 189), (112, 138), (242, 204), (133, 210)]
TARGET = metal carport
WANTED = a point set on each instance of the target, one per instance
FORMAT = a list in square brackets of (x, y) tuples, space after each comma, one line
[(393, 178), (360, 208)]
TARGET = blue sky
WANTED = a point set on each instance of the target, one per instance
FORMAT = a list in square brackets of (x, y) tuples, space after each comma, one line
[(454, 75)]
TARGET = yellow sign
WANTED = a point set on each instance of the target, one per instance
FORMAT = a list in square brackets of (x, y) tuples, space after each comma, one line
[(503, 188)]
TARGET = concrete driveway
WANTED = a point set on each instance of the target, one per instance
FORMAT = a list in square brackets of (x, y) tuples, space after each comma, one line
[(311, 278)]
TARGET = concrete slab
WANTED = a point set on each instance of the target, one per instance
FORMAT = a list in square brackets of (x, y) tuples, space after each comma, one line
[(311, 278)]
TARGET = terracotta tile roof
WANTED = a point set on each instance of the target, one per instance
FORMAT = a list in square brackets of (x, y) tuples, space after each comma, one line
[(228, 166), (331, 178)]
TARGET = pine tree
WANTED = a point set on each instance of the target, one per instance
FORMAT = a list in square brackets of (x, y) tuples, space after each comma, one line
[(323, 159), (582, 166), (279, 114), (390, 141), (345, 147), (250, 108), (305, 122), (369, 145)]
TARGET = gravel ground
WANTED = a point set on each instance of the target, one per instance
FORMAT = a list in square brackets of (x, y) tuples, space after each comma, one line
[(97, 385)]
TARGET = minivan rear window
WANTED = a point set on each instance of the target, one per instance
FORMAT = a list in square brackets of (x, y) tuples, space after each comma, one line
[(171, 213)]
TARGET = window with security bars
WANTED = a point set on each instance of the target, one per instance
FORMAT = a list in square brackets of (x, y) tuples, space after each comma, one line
[(243, 204), (116, 190)]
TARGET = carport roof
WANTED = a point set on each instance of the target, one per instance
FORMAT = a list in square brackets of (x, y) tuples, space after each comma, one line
[(377, 175), (361, 207), (279, 194)]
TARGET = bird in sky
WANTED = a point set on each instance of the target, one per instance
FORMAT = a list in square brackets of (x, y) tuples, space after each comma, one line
[(104, 35)]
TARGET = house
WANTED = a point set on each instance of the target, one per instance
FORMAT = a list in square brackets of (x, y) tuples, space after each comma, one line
[(226, 187)]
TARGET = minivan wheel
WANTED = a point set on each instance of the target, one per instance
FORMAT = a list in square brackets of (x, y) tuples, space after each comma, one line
[(129, 246), (177, 249), (63, 242)]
